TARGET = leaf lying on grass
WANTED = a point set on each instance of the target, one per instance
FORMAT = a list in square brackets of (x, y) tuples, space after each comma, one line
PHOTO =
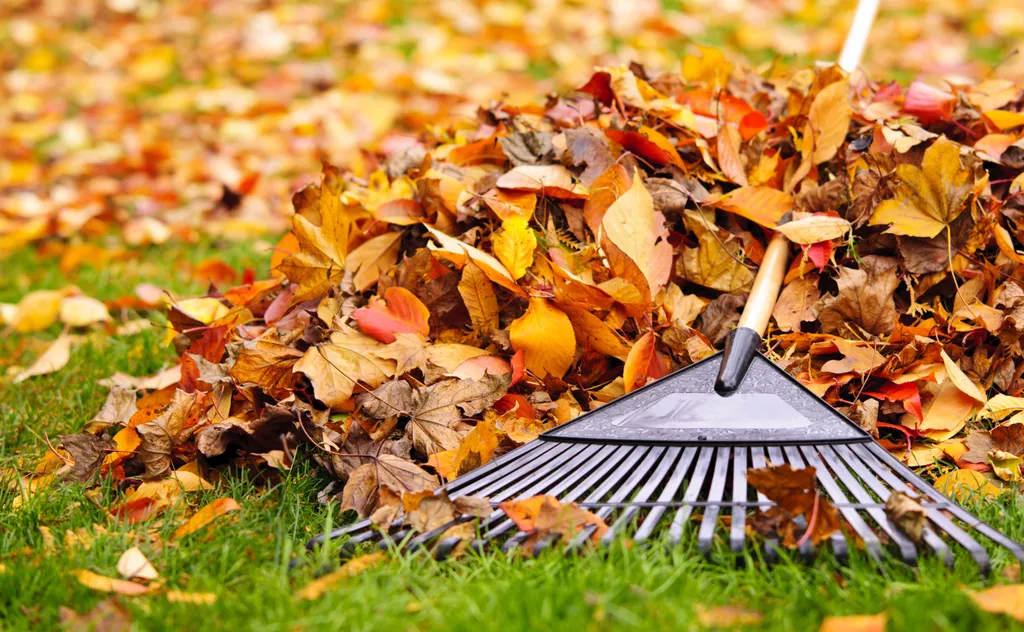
[(320, 586)]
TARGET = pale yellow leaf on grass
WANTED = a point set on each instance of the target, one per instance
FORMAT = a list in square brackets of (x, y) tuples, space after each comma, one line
[(318, 587), (514, 245), (545, 335), (53, 359), (1008, 600), (133, 564), (82, 311), (961, 380), (206, 515), (102, 583)]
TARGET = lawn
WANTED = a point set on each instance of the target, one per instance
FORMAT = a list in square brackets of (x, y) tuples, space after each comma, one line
[(245, 561)]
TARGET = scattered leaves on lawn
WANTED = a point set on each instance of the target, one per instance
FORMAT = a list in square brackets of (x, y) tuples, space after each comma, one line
[(318, 587)]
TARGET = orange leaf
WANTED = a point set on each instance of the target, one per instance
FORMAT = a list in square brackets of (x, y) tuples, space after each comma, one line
[(647, 143), (762, 205), (102, 583), (855, 623), (643, 363), (400, 312), (206, 515), (1007, 600)]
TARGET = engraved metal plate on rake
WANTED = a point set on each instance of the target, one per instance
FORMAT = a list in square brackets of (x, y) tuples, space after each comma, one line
[(657, 491), (683, 408)]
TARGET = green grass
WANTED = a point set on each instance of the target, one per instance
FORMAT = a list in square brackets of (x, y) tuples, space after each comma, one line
[(245, 561)]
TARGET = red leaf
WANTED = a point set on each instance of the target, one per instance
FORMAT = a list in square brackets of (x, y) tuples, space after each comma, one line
[(518, 367), (600, 87), (511, 400), (399, 312), (819, 253), (907, 393), (927, 103)]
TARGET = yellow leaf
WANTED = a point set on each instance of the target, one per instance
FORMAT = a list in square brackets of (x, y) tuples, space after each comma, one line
[(318, 587), (206, 515), (478, 296), (205, 310), (37, 310), (81, 311), (828, 121), (193, 598), (928, 198), (966, 485), (961, 380), (514, 245), (1001, 405), (635, 228), (373, 257), (761, 205), (711, 67), (53, 359), (1003, 120), (153, 65), (710, 264), (459, 252), (101, 583), (546, 337), (1008, 600), (855, 623), (857, 358), (814, 229), (1006, 465)]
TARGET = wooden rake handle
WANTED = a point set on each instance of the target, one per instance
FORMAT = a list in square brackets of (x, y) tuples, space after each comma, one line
[(744, 342)]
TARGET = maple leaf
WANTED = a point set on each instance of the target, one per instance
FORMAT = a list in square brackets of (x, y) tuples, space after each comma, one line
[(363, 489), (266, 362), (348, 359), (865, 298), (929, 197), (715, 264), (159, 436)]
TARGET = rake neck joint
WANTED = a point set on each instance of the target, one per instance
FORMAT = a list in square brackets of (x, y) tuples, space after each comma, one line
[(740, 349)]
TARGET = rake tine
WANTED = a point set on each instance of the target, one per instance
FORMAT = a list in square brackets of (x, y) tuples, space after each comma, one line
[(737, 533), (771, 545), (807, 546), (959, 512), (604, 465), (664, 466), (907, 549), (974, 548), (500, 463), (977, 552), (709, 521), (492, 484), (682, 467), (630, 485), (629, 464), (853, 518), (693, 490), (930, 537)]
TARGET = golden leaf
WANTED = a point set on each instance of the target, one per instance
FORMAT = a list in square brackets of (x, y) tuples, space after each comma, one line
[(478, 296), (545, 335), (710, 264), (929, 197), (632, 224), (761, 205), (514, 245)]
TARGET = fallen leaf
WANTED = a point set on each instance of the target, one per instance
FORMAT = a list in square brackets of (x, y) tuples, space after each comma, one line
[(966, 486), (133, 564), (545, 336), (855, 623), (82, 311), (929, 197), (632, 224), (320, 586), (478, 296), (101, 583), (1008, 600), (206, 515), (727, 616), (399, 312), (53, 359), (814, 229), (865, 298), (907, 514), (514, 245), (109, 615), (191, 598), (799, 302)]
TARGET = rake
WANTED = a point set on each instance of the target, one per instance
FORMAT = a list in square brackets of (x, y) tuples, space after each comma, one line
[(645, 462)]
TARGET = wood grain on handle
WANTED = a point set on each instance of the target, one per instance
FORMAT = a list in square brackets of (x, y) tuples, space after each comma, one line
[(767, 284)]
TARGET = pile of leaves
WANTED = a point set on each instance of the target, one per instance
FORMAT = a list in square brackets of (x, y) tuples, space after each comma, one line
[(190, 118), (495, 279)]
